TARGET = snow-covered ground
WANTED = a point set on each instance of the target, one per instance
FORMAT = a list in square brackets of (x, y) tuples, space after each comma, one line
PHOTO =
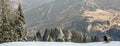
[(112, 43)]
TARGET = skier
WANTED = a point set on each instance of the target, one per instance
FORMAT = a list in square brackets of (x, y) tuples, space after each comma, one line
[(106, 39)]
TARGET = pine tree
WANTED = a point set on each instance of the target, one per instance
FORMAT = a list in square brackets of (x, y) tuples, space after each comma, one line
[(87, 38), (11, 28), (47, 35), (67, 35), (96, 39), (37, 37), (20, 21)]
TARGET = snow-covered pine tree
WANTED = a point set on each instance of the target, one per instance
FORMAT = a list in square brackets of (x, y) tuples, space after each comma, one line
[(12, 23)]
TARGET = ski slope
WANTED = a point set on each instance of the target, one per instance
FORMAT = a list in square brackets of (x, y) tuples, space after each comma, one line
[(112, 43)]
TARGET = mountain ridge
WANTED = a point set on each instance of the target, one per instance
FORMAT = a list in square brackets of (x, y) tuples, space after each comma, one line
[(71, 14)]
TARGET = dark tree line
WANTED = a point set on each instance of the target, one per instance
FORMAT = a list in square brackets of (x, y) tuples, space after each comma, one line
[(61, 35)]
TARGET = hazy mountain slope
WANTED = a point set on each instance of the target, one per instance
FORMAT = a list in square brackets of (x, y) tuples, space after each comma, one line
[(30, 4), (71, 14)]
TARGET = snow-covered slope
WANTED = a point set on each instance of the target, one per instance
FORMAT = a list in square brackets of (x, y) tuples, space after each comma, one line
[(113, 43)]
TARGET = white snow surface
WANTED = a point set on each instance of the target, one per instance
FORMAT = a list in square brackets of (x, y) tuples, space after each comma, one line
[(112, 43)]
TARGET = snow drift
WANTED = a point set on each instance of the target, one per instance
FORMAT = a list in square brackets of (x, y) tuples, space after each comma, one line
[(112, 43)]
